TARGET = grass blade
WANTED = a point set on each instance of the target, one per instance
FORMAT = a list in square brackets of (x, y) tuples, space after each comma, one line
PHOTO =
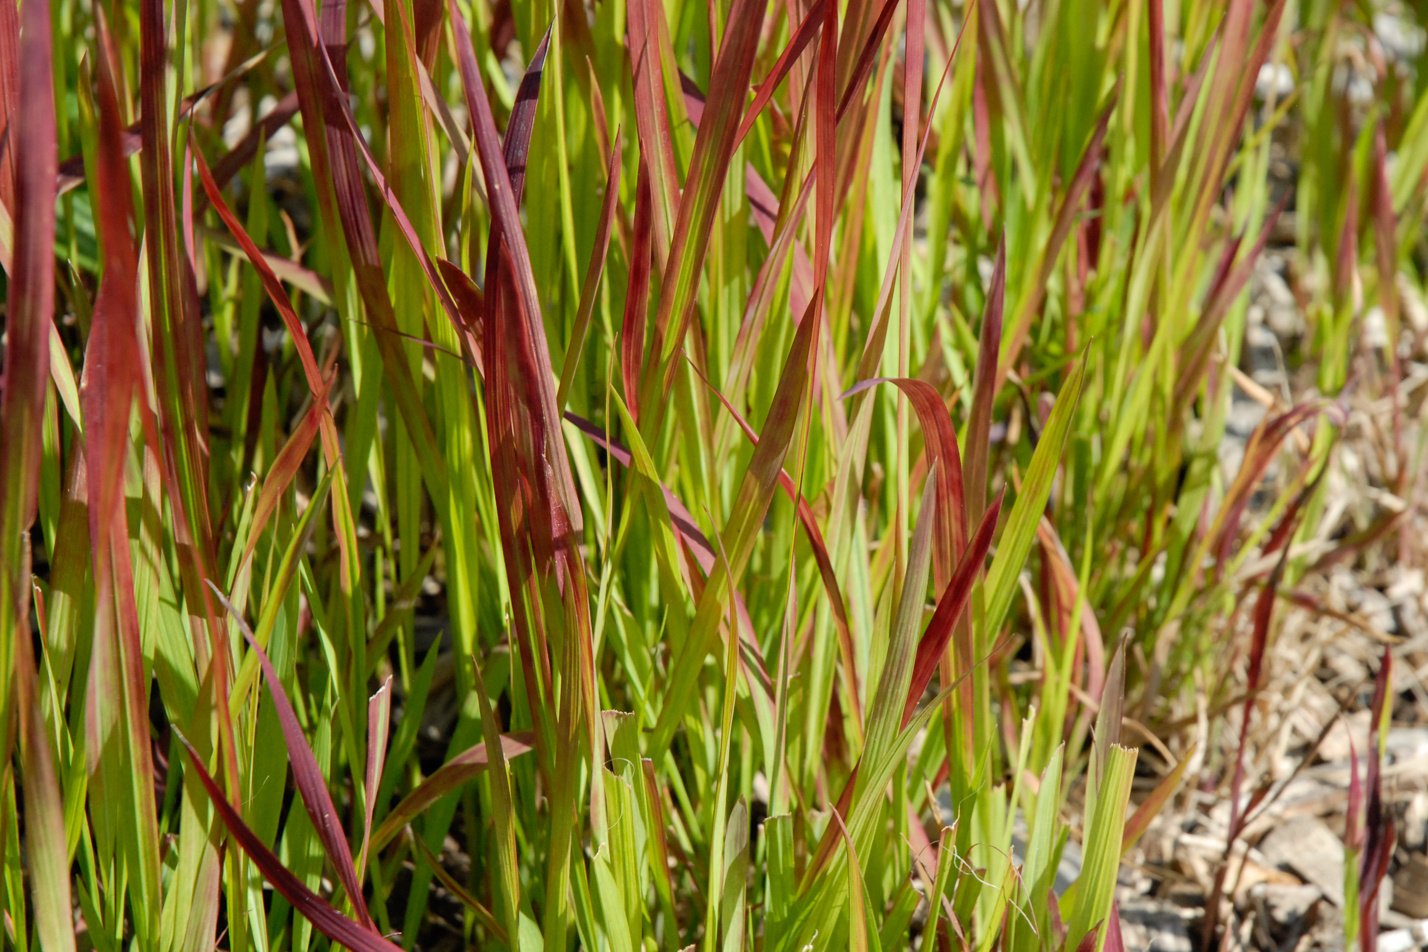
[(713, 151), (1030, 502), (30, 131), (448, 777), (313, 907), (307, 776)]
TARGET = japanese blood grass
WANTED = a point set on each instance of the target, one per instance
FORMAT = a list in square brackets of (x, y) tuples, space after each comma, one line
[(292, 487)]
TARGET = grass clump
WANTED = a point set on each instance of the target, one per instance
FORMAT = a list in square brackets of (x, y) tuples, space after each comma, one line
[(627, 474)]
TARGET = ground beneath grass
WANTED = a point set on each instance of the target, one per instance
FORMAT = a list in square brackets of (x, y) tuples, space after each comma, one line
[(1284, 875)]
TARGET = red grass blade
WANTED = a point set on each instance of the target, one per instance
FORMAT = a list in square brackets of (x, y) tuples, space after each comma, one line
[(807, 30), (111, 355), (1108, 937), (632, 327), (176, 340), (825, 159), (309, 904), (320, 418), (867, 54), (941, 439), (1159, 89), (1385, 228), (450, 775), (379, 722), (118, 684), (522, 121), (540, 521), (29, 309), (269, 279), (1239, 810), (515, 346), (1264, 442), (9, 101), (708, 169), (1378, 825), (933, 645), (984, 389), (471, 306), (334, 160), (31, 299), (281, 473), (648, 43), (330, 82), (307, 777), (507, 244)]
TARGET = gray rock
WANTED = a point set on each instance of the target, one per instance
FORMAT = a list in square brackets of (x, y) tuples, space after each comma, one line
[(1306, 846), (1156, 924), (1285, 905)]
